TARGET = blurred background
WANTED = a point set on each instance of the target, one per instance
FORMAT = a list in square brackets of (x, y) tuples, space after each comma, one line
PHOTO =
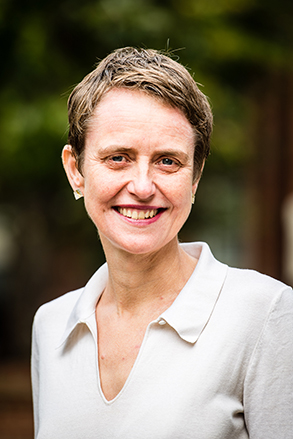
[(240, 50)]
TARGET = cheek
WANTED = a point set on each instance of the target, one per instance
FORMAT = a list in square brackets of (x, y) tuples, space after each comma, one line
[(181, 189), (99, 187)]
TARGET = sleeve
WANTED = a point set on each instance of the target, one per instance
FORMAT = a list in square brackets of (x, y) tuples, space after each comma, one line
[(268, 386), (35, 375)]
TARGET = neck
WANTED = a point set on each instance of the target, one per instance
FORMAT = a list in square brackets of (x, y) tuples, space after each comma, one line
[(137, 282)]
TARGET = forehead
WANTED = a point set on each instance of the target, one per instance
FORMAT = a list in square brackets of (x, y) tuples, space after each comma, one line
[(127, 112)]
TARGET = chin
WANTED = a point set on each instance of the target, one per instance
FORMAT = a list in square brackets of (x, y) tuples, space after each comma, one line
[(137, 247)]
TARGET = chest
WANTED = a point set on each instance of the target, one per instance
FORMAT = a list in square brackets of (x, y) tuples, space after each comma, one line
[(169, 381), (118, 349)]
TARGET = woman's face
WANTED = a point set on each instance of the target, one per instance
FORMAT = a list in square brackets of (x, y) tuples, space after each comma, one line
[(137, 171)]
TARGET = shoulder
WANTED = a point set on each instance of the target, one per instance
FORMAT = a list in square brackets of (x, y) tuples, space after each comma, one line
[(257, 294), (253, 282), (239, 290), (58, 309), (62, 315)]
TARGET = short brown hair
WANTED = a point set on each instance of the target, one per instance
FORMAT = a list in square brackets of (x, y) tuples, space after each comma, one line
[(148, 70)]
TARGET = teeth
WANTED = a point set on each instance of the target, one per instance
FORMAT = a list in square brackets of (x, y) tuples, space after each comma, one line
[(137, 214)]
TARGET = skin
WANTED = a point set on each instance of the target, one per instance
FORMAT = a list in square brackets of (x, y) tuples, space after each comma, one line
[(137, 182)]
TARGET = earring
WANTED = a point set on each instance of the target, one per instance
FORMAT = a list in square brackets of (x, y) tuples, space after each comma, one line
[(77, 194), (192, 198)]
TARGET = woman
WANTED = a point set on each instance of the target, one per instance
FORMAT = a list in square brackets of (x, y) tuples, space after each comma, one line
[(164, 341)]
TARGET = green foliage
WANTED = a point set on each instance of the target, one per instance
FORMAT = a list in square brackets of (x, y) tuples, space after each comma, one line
[(48, 46)]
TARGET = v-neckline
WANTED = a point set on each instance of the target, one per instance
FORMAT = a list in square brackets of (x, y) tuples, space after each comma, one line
[(132, 370)]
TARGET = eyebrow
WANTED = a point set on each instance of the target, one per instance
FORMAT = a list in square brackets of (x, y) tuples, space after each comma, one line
[(173, 152), (115, 148)]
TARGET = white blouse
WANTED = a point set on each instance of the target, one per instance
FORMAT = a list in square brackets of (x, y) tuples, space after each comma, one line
[(217, 364)]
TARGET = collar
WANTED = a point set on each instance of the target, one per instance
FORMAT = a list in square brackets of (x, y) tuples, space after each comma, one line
[(84, 309), (193, 307), (189, 313)]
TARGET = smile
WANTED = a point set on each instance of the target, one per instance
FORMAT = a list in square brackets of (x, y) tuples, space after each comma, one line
[(137, 214)]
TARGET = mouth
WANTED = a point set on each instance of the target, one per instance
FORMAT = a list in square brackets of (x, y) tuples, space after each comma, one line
[(138, 214)]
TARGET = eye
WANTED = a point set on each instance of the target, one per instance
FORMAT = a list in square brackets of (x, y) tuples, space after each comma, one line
[(118, 161), (168, 164), (117, 158), (167, 161)]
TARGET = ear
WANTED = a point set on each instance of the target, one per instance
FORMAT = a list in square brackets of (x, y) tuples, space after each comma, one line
[(195, 183), (75, 178), (194, 186)]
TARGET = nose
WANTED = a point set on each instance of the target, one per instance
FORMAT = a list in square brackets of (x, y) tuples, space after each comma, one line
[(141, 183)]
